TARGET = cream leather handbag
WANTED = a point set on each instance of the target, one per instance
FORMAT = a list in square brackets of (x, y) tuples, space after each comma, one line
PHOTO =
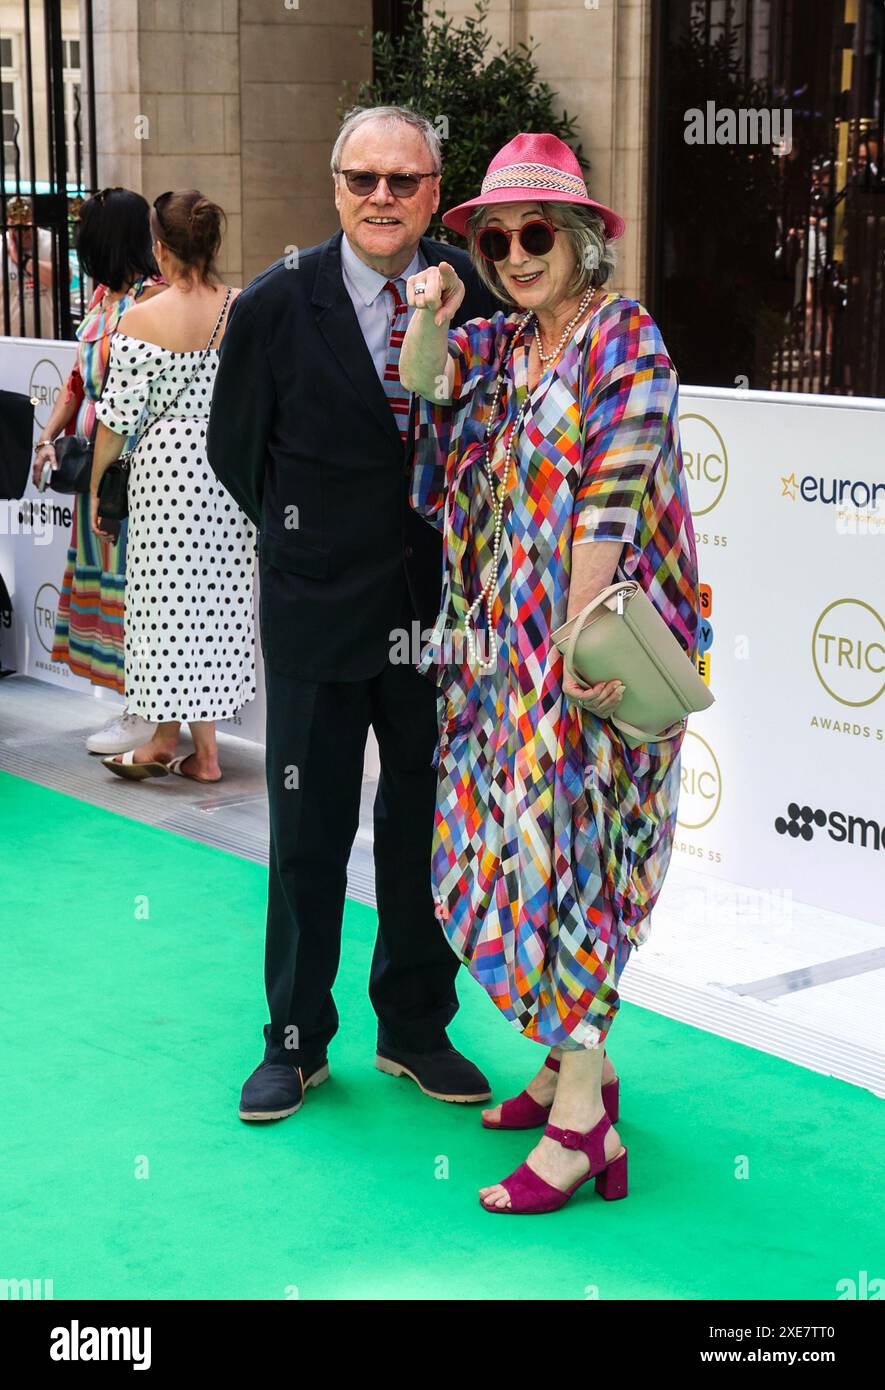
[(621, 636)]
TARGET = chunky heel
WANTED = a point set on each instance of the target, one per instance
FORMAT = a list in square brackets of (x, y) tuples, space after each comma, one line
[(612, 1181), (611, 1099)]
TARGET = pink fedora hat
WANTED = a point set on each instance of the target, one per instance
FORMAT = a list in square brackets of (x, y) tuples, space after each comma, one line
[(534, 168)]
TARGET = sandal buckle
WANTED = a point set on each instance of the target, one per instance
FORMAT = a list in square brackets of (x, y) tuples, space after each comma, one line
[(570, 1139)]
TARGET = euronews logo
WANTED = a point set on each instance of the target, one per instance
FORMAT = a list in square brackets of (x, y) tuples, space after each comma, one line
[(801, 822), (833, 492)]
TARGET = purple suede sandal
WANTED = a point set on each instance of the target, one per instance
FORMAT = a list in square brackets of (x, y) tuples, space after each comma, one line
[(531, 1195), (524, 1112)]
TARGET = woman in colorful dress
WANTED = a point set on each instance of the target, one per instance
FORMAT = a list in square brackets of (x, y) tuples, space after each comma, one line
[(114, 247), (547, 452)]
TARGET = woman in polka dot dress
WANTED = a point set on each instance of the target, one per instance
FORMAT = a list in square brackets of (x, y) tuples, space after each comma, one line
[(189, 632)]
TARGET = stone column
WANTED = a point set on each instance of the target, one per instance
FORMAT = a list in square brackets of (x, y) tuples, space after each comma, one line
[(168, 103), (237, 99), (297, 60)]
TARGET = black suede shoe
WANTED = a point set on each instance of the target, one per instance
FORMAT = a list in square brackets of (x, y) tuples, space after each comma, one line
[(442, 1074), (275, 1090)]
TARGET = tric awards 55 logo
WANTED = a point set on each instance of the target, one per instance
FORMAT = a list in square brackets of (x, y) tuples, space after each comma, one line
[(44, 388), (701, 783), (848, 652), (45, 608), (705, 462)]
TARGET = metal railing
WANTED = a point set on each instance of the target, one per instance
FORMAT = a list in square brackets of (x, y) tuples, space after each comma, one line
[(43, 185), (834, 340)]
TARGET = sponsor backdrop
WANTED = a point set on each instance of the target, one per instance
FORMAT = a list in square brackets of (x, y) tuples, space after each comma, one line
[(783, 787), (782, 782)]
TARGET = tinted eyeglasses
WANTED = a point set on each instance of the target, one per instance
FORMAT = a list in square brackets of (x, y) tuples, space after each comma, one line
[(535, 238), (362, 182)]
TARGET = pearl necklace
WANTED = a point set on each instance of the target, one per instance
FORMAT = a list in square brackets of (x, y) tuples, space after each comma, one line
[(489, 590), (566, 332)]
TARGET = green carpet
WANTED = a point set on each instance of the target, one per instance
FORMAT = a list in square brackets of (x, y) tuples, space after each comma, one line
[(131, 1011)]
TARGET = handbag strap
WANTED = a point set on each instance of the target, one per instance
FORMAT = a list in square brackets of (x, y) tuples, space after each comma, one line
[(584, 616), (643, 735), (189, 383), (624, 583)]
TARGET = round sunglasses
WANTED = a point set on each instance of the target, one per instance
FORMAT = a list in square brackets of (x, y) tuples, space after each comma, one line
[(535, 238), (363, 182)]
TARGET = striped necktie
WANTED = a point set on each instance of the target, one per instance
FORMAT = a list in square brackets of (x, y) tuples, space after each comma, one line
[(400, 399)]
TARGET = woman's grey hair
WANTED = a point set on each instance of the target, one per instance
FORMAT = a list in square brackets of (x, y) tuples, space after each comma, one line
[(585, 231), (361, 115)]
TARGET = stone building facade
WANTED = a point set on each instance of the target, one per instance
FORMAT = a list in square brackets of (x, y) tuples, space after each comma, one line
[(240, 98)]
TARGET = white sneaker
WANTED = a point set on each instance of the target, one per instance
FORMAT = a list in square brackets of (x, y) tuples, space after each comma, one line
[(122, 733)]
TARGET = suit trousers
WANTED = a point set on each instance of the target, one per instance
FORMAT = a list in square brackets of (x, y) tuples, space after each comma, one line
[(316, 740)]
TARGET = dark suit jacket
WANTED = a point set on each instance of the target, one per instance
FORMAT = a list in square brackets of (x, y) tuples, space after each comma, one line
[(303, 437)]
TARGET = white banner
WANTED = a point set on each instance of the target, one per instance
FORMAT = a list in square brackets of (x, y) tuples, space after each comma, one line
[(35, 531), (782, 783)]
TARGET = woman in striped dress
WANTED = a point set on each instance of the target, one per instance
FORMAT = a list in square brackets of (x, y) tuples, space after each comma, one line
[(114, 247), (553, 834)]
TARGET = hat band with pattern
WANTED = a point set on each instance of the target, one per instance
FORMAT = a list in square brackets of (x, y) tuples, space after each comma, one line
[(538, 176), (533, 168)]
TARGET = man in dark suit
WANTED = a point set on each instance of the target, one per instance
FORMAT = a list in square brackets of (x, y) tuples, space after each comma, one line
[(309, 432)]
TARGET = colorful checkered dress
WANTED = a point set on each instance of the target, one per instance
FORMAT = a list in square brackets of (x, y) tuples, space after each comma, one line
[(552, 835), (89, 622)]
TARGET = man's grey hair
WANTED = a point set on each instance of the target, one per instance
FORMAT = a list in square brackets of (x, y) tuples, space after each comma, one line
[(361, 115), (585, 230)]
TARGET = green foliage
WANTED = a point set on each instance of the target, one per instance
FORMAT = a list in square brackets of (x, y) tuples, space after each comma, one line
[(478, 101)]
